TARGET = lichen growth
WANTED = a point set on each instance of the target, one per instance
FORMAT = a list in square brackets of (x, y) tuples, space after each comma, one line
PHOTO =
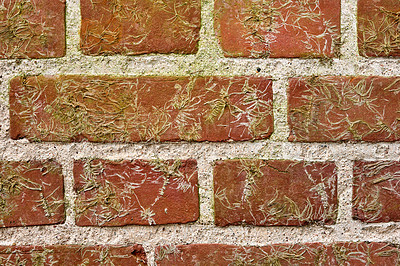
[(20, 35), (379, 34), (105, 109)]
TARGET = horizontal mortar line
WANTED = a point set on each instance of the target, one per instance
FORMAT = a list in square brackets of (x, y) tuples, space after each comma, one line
[(85, 63), (213, 151), (186, 234)]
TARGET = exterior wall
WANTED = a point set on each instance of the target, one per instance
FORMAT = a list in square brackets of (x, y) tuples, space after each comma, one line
[(209, 61)]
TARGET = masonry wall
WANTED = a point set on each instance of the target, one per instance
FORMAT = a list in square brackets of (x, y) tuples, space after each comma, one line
[(266, 129)]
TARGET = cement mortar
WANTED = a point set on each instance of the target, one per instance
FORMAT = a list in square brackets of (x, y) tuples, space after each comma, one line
[(208, 61)]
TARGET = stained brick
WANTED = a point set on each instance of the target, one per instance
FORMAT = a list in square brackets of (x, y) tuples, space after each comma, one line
[(140, 192), (109, 109), (344, 108), (31, 193), (139, 26), (72, 255), (351, 253), (376, 191), (365, 253), (281, 28), (32, 28), (274, 192), (378, 28), (218, 254)]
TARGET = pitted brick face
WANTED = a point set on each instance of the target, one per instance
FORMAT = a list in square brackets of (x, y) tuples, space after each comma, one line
[(110, 109), (274, 192), (378, 28), (73, 255), (325, 109), (31, 193), (32, 28), (140, 26), (135, 192), (261, 29)]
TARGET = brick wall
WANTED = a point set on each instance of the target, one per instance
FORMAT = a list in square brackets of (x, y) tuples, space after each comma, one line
[(188, 132)]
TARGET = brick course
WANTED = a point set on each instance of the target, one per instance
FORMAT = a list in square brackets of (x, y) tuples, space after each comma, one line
[(324, 109), (32, 28), (72, 255), (275, 192), (135, 192), (31, 193), (109, 109), (261, 29), (139, 27)]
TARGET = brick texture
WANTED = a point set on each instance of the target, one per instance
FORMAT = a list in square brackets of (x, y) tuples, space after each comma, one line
[(107, 109), (139, 26), (344, 108), (361, 253), (32, 28), (378, 28), (72, 255), (259, 29), (135, 192), (376, 191), (31, 193), (274, 192)]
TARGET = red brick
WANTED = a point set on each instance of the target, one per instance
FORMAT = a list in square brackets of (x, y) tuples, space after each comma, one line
[(365, 253), (140, 26), (344, 108), (378, 28), (376, 191), (248, 28), (110, 109), (72, 255), (274, 192), (351, 253), (32, 28), (140, 192), (219, 254), (31, 193)]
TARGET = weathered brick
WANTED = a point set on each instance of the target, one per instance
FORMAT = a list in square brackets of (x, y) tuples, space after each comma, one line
[(219, 254), (139, 26), (72, 255), (376, 191), (32, 28), (378, 27), (109, 109), (274, 192), (140, 192), (351, 253), (365, 253), (31, 193), (344, 108), (279, 28)]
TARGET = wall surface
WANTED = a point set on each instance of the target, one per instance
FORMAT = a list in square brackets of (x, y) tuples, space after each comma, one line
[(208, 61)]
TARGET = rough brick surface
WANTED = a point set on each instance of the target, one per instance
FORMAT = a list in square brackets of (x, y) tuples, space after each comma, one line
[(278, 28), (107, 109), (31, 193), (139, 26), (361, 253), (344, 108), (365, 253), (275, 192), (32, 28), (136, 192), (376, 191), (72, 255), (378, 27)]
